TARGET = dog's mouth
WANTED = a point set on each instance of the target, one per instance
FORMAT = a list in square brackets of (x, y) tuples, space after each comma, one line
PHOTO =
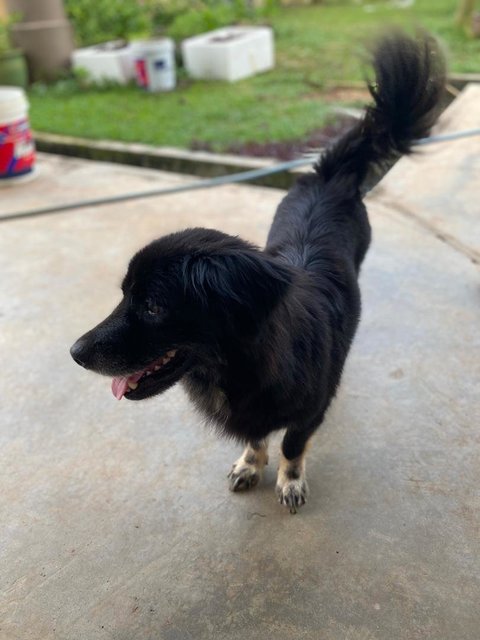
[(150, 380)]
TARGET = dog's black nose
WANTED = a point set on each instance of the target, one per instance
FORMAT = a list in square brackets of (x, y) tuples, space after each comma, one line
[(77, 352)]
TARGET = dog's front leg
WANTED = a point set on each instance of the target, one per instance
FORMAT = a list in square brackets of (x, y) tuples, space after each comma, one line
[(248, 469), (292, 488)]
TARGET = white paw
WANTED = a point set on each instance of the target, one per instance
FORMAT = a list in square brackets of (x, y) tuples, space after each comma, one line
[(243, 476), (247, 470), (292, 493)]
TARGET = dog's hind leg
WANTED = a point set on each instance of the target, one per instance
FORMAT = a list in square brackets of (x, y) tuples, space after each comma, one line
[(292, 488), (247, 470)]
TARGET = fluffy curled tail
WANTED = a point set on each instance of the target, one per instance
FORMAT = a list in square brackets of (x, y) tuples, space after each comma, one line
[(407, 91)]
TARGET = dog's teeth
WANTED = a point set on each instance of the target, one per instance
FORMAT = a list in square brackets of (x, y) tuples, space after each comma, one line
[(165, 360), (157, 367), (148, 373), (133, 385), (170, 354)]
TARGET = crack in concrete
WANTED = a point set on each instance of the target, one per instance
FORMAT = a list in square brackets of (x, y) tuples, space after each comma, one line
[(443, 236)]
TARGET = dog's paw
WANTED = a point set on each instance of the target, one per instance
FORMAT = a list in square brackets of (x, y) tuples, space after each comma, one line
[(243, 476), (292, 493), (247, 470)]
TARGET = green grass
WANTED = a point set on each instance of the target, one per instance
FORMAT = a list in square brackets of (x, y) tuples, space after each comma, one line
[(315, 47)]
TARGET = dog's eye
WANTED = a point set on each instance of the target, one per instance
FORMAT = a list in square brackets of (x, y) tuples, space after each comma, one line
[(154, 309)]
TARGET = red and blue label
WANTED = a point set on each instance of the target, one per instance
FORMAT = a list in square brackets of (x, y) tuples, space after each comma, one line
[(142, 73), (17, 149)]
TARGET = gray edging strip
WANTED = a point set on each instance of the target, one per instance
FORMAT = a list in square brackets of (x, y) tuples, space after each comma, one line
[(197, 163), (460, 80)]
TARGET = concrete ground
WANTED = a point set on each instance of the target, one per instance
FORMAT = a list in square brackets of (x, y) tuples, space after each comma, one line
[(116, 518)]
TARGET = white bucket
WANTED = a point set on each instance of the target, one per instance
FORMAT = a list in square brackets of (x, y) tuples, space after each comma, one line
[(155, 64), (17, 149)]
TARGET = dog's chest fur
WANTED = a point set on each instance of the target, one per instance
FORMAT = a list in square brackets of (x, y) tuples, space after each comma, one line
[(208, 396)]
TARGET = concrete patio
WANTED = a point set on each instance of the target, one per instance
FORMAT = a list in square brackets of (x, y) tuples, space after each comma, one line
[(100, 541)]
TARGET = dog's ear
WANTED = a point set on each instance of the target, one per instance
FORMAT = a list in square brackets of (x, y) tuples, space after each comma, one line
[(245, 280)]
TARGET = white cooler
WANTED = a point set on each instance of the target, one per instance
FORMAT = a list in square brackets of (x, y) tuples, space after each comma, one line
[(231, 53)]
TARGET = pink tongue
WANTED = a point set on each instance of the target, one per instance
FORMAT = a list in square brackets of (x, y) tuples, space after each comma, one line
[(120, 385)]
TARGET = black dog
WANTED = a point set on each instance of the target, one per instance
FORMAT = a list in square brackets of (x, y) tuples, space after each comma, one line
[(259, 338)]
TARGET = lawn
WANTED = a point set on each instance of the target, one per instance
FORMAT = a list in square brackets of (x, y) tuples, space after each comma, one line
[(316, 48)]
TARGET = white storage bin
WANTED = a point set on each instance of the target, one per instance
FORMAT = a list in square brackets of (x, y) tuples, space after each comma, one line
[(110, 61), (231, 53), (155, 64)]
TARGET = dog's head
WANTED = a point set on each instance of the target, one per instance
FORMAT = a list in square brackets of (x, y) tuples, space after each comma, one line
[(185, 296)]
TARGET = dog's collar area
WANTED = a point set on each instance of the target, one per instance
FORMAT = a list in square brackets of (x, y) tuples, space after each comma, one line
[(125, 384)]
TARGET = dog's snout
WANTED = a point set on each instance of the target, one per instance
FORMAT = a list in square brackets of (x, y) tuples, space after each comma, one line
[(78, 352)]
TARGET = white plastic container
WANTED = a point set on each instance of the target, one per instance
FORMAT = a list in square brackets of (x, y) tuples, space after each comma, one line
[(112, 61), (231, 53), (155, 64), (17, 150)]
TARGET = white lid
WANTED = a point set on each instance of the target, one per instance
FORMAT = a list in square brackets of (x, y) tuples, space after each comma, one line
[(13, 103), (160, 44)]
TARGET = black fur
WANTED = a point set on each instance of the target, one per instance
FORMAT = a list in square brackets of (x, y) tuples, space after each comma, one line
[(262, 336)]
